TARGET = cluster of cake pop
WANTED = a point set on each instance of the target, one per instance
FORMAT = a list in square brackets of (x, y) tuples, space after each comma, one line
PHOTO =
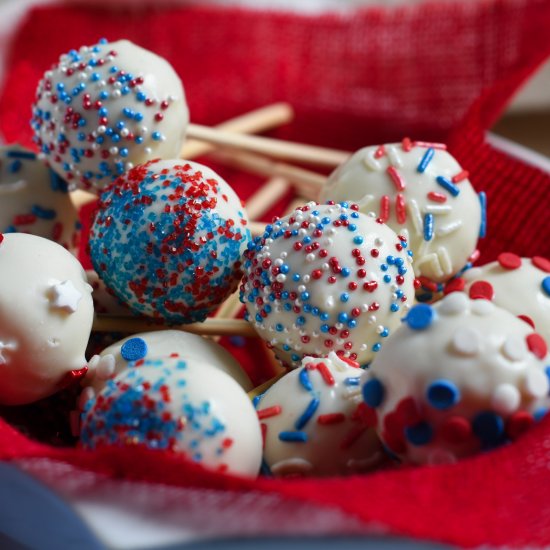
[(330, 287)]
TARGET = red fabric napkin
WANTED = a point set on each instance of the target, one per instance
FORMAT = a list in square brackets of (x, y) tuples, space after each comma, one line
[(435, 71)]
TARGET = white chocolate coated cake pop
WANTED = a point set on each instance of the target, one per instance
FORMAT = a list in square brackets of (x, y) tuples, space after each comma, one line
[(421, 192), (46, 316), (105, 108), (327, 278), (314, 421), (519, 285), (180, 406), (458, 377), (162, 343), (35, 200), (168, 239)]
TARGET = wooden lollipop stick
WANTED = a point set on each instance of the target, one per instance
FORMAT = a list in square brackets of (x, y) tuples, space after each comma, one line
[(222, 327), (265, 386), (264, 199), (306, 182), (79, 198), (298, 152), (253, 122)]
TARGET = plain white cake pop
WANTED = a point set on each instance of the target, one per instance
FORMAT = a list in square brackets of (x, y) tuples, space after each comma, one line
[(46, 315)]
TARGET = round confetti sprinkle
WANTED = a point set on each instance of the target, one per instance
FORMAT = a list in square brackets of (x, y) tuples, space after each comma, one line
[(454, 304), (514, 348), (527, 319), (536, 383), (134, 349), (541, 263), (489, 427), (420, 317), (537, 345), (506, 399), (455, 429), (546, 285), (419, 434), (454, 285), (466, 341), (443, 394), (508, 260), (481, 290), (518, 424), (373, 393)]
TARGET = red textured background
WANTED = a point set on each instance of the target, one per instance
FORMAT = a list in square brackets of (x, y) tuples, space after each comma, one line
[(441, 71)]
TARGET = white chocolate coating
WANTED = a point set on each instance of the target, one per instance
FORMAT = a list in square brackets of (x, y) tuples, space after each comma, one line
[(327, 278), (163, 343), (441, 223), (459, 376), (524, 290), (168, 240), (105, 108), (314, 424), (46, 315), (35, 200), (181, 406)]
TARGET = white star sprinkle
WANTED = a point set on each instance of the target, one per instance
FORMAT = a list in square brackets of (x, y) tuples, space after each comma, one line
[(65, 296)]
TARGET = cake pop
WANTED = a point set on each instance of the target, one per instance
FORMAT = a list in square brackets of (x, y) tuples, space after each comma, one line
[(105, 108), (181, 406), (327, 278), (168, 238), (35, 200), (46, 316), (421, 192), (458, 377)]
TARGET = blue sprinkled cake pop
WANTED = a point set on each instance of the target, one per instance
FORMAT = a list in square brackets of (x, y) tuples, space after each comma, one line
[(168, 239)]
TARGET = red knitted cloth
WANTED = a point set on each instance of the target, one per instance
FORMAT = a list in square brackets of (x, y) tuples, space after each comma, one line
[(435, 71)]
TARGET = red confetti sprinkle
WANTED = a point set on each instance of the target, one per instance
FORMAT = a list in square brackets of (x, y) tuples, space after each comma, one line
[(481, 290), (455, 429), (537, 345), (508, 260), (455, 285), (518, 424), (527, 319), (541, 263)]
